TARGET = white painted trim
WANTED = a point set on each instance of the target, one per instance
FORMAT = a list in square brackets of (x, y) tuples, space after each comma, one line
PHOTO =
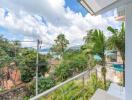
[(128, 52)]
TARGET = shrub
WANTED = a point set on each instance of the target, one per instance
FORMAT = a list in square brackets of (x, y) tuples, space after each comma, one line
[(63, 72), (28, 65), (70, 66), (27, 74), (43, 84), (76, 90)]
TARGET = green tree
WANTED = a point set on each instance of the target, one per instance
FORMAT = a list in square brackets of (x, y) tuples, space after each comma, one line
[(117, 41), (28, 64), (27, 74), (25, 59), (74, 61), (5, 59), (11, 48), (87, 49), (16, 47), (95, 43), (60, 45)]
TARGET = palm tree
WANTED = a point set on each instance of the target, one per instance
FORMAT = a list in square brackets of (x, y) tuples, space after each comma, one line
[(117, 41), (60, 44), (95, 43)]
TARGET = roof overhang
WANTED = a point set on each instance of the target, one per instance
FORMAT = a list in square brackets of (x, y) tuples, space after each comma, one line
[(95, 7)]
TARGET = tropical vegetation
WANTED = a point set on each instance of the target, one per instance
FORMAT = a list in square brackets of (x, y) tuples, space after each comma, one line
[(60, 45), (117, 41), (24, 59), (76, 90), (95, 44), (71, 62)]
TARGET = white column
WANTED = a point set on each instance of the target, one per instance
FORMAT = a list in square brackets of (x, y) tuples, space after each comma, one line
[(128, 60)]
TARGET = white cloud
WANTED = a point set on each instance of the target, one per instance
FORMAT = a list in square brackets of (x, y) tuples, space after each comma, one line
[(51, 10), (25, 17)]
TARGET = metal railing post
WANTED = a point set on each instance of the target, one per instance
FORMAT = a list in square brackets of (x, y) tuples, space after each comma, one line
[(96, 77), (83, 80)]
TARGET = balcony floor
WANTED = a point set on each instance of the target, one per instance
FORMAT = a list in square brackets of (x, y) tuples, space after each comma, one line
[(103, 95), (117, 91)]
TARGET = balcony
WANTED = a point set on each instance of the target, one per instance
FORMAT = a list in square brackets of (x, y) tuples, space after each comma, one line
[(103, 95), (80, 85)]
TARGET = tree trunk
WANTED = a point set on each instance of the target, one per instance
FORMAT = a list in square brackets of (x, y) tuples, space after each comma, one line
[(105, 82), (103, 70), (96, 78)]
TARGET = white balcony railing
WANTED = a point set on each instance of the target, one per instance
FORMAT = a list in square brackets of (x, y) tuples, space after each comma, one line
[(81, 79)]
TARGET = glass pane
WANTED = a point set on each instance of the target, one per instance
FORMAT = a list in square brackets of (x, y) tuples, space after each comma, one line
[(97, 5)]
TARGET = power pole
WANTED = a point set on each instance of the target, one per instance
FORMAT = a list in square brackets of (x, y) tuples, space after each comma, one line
[(37, 62)]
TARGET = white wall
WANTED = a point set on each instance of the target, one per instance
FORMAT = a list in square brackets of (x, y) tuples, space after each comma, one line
[(129, 51)]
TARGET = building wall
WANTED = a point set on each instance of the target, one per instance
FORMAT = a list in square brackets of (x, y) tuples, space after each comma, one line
[(128, 67), (119, 59)]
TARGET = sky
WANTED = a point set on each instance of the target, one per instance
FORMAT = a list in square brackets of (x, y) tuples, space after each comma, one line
[(28, 20)]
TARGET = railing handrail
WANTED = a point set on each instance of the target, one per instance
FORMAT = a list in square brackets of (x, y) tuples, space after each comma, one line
[(59, 85)]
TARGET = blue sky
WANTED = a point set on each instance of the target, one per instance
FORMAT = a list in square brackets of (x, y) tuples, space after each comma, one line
[(11, 36), (72, 4), (25, 20), (75, 6)]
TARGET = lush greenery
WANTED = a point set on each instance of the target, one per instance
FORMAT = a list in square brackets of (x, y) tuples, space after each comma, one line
[(60, 45), (95, 44), (76, 90), (117, 41), (73, 62), (44, 84), (7, 52), (28, 64), (24, 58)]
